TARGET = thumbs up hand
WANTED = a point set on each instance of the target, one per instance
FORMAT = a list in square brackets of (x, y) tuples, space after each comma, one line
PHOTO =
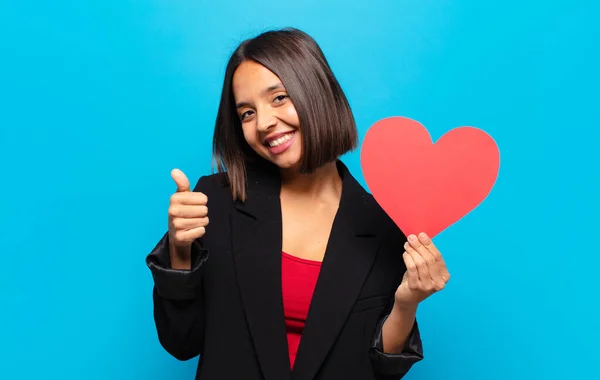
[(187, 217)]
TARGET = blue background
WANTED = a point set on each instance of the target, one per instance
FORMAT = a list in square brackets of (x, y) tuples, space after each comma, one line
[(100, 100)]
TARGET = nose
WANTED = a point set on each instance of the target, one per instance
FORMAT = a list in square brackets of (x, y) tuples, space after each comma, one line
[(265, 119)]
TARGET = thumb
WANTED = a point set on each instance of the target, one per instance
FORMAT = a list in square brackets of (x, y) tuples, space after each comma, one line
[(182, 182)]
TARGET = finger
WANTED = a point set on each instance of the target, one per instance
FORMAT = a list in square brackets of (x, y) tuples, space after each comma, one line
[(441, 272), (182, 182), (421, 248), (421, 264), (187, 211), (426, 255), (427, 249), (428, 243), (445, 273), (189, 223), (190, 235), (189, 198), (412, 275)]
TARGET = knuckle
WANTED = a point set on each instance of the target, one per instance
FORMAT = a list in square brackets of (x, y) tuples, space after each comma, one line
[(175, 198), (181, 224), (197, 233), (201, 198), (180, 236)]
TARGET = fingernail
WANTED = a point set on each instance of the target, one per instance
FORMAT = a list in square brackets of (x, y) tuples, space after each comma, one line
[(424, 235), (412, 238)]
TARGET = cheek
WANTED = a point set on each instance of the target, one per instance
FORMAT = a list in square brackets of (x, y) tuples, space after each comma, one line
[(291, 116), (249, 134)]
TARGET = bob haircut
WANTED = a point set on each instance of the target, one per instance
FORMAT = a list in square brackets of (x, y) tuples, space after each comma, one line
[(326, 120)]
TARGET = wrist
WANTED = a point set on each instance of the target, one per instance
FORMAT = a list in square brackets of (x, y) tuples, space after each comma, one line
[(402, 316), (397, 327), (180, 256), (404, 308)]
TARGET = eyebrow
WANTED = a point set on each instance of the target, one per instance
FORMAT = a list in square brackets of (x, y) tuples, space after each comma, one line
[(274, 87)]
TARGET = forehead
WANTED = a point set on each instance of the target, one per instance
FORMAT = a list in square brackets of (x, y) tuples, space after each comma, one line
[(251, 78)]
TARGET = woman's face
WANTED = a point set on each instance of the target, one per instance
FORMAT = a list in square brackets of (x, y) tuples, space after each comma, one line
[(269, 120)]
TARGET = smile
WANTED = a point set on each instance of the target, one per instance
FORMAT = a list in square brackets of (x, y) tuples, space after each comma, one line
[(280, 143), (280, 140)]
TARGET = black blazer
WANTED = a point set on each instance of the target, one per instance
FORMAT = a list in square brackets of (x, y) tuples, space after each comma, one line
[(228, 309)]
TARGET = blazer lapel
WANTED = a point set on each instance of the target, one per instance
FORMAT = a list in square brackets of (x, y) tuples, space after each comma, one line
[(257, 242), (348, 259)]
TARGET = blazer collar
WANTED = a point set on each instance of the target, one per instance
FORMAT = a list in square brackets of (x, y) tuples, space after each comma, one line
[(264, 186), (257, 244)]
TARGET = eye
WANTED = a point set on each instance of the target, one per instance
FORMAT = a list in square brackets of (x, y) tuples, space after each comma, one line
[(245, 115), (279, 98)]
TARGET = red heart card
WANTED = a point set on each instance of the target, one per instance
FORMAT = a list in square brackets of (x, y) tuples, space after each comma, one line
[(426, 187)]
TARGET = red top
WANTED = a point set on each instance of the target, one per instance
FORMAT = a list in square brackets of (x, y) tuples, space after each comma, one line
[(299, 277)]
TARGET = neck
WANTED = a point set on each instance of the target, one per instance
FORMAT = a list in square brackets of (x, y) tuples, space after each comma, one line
[(322, 182)]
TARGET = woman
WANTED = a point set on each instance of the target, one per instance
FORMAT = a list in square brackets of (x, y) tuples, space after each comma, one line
[(300, 274)]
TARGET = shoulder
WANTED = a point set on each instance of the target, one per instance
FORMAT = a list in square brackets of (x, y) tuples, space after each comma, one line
[(213, 185), (384, 222), (366, 208), (391, 237), (361, 200)]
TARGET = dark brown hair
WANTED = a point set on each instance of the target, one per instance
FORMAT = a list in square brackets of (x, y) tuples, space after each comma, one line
[(327, 124)]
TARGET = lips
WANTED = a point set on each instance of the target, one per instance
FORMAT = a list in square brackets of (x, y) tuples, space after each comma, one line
[(278, 139), (281, 142)]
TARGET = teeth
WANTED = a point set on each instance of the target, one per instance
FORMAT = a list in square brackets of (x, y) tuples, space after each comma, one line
[(280, 140)]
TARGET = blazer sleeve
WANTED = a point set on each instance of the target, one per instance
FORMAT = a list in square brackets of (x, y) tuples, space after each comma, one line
[(395, 366), (178, 299)]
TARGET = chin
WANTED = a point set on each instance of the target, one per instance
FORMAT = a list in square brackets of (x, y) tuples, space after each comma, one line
[(288, 164), (285, 161)]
